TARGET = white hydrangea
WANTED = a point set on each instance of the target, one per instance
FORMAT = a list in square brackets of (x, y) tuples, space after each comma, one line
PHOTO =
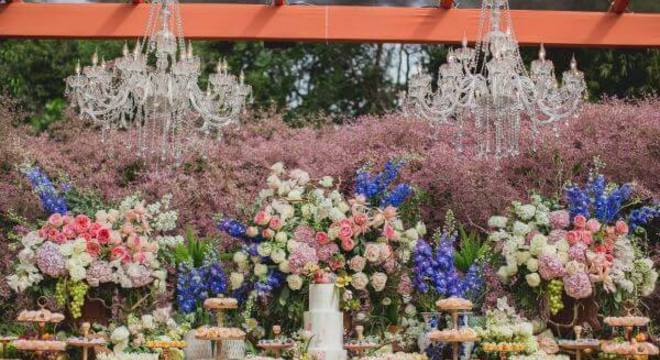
[(260, 270), (532, 264), (498, 222), (520, 228), (536, 245), (278, 255), (526, 212), (236, 280), (169, 242)]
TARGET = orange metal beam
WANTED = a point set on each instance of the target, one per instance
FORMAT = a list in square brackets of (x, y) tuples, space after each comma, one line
[(619, 6), (327, 23)]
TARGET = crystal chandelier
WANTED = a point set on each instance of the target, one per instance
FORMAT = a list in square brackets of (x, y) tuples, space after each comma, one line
[(488, 89), (153, 91)]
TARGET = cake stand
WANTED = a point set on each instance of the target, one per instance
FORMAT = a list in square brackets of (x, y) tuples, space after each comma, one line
[(4, 341), (360, 345), (85, 342), (41, 317), (454, 335), (165, 347), (579, 345), (631, 349), (277, 344), (220, 333)]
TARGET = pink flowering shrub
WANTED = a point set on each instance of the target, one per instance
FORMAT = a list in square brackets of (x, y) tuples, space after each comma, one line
[(625, 136)]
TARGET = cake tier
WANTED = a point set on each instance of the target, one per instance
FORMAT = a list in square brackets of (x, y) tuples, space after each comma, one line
[(327, 327), (323, 297)]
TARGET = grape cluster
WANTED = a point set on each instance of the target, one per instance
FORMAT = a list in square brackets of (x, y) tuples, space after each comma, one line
[(555, 289), (77, 291), (60, 293)]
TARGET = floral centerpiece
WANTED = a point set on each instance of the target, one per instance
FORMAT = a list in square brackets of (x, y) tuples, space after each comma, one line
[(311, 232), (124, 246), (578, 250), (504, 329)]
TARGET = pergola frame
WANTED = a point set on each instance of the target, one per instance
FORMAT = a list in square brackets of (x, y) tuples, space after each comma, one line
[(282, 22)]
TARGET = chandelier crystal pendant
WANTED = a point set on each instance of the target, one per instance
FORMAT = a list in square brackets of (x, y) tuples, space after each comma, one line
[(154, 90), (488, 89)]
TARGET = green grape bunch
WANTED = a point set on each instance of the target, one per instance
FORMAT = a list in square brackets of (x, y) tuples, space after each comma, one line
[(555, 290), (77, 292)]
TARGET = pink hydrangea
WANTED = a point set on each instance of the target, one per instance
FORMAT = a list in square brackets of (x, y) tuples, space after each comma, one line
[(50, 261), (326, 251), (578, 285), (556, 235), (305, 234), (550, 267), (405, 285), (140, 276), (577, 252), (302, 255), (99, 272), (560, 219)]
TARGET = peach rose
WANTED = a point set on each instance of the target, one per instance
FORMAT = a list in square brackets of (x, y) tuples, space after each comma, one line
[(347, 244), (593, 225), (56, 220), (388, 232), (120, 253), (587, 237), (262, 218), (103, 236), (139, 257), (573, 237), (275, 223), (322, 238), (93, 248), (580, 221), (621, 227), (82, 222)]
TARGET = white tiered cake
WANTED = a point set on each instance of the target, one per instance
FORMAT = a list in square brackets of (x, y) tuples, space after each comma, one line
[(326, 322)]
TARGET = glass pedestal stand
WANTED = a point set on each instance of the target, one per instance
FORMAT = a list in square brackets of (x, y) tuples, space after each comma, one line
[(454, 336), (580, 345), (41, 347), (360, 345), (220, 333), (277, 344), (631, 349), (85, 342)]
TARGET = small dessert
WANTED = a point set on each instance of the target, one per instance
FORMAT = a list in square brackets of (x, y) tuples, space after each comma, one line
[(161, 344), (84, 341), (453, 335), (629, 348), (42, 315), (503, 347), (221, 303), (454, 303), (626, 321), (219, 333), (39, 345)]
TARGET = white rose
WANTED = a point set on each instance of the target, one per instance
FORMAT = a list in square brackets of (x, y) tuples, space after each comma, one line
[(77, 273), (291, 245), (411, 234), (240, 257), (284, 267), (378, 281), (410, 310), (260, 269), (264, 249), (359, 281), (148, 322), (277, 168), (512, 268), (236, 280), (532, 264), (295, 282), (522, 256), (533, 279), (421, 228), (562, 246), (498, 222), (278, 255), (281, 238), (372, 252), (301, 176)]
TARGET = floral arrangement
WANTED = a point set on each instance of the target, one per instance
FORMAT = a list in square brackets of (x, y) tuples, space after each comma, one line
[(305, 231), (576, 250), (503, 325), (52, 199), (133, 335), (125, 246)]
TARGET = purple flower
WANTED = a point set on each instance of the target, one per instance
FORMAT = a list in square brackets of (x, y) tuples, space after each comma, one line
[(550, 267), (578, 285), (50, 261)]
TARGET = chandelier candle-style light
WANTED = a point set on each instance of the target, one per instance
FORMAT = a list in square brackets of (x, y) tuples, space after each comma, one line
[(490, 87), (154, 89)]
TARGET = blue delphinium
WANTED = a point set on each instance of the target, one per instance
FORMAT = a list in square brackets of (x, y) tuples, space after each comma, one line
[(233, 228), (376, 187), (597, 199), (273, 280), (642, 216), (52, 200), (437, 271), (194, 285)]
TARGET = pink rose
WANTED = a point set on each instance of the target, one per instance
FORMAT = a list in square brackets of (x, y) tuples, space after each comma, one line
[(56, 220), (69, 231), (573, 237), (347, 244), (336, 263), (593, 225), (52, 234), (388, 232), (93, 248), (345, 231), (580, 221), (357, 263), (94, 229), (385, 252), (103, 236), (66, 219), (43, 233), (621, 227), (120, 253), (389, 212), (82, 222), (262, 218), (321, 277), (587, 237), (322, 238), (267, 233), (87, 236), (360, 219), (61, 238), (139, 257), (252, 231), (275, 223)]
